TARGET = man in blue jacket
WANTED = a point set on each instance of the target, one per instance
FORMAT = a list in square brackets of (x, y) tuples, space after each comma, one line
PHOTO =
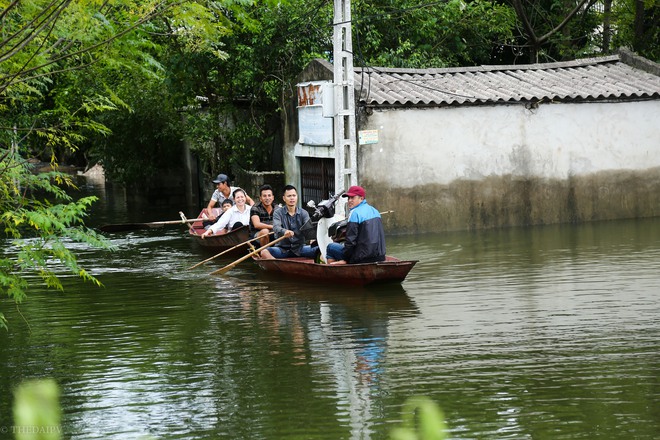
[(365, 237)]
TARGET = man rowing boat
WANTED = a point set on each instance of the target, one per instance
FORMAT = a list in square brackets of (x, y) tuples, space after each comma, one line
[(288, 221)]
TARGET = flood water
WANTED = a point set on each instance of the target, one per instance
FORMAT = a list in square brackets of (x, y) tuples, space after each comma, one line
[(529, 333)]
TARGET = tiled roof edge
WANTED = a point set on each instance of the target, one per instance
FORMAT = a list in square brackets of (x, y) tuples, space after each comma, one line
[(493, 68)]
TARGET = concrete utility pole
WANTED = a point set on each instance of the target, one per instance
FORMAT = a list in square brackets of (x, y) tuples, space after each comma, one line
[(344, 88)]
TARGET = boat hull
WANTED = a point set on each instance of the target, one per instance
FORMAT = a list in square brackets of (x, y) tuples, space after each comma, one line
[(392, 270), (220, 243)]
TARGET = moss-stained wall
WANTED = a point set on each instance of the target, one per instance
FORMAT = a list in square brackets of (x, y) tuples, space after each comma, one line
[(507, 201)]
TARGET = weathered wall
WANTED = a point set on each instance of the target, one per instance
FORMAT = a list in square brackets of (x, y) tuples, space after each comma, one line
[(507, 165), (319, 70)]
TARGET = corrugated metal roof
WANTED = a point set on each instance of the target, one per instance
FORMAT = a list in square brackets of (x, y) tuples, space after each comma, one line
[(604, 78)]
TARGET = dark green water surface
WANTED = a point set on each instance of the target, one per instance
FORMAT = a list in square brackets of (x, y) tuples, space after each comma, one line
[(540, 333)]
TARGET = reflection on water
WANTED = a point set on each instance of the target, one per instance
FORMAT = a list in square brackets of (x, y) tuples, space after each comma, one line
[(545, 332)]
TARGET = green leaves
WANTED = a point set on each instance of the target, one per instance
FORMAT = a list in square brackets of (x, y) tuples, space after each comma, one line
[(64, 63), (637, 26), (38, 218), (37, 411), (422, 419), (453, 33)]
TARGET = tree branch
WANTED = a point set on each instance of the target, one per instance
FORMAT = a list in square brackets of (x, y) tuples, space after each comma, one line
[(561, 25), (36, 26), (522, 15), (11, 6), (21, 70), (158, 10)]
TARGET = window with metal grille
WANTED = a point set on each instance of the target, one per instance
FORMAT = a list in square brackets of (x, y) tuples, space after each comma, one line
[(317, 179)]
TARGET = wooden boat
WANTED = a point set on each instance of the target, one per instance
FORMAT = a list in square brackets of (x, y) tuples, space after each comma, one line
[(392, 270), (219, 243)]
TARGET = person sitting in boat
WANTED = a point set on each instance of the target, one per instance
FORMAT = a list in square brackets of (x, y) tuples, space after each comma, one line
[(227, 204), (289, 221), (365, 236), (261, 215), (236, 216), (223, 191)]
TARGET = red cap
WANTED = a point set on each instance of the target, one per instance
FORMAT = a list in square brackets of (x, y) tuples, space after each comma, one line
[(355, 191)]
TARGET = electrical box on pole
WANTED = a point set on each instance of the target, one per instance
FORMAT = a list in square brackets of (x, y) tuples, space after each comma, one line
[(345, 141)]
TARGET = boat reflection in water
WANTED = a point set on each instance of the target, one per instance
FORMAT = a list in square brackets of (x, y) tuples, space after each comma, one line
[(343, 334)]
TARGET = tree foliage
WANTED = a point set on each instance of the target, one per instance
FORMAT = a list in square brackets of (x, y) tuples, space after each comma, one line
[(636, 24), (50, 55), (559, 30), (38, 220), (435, 34), (184, 46), (145, 136), (245, 91)]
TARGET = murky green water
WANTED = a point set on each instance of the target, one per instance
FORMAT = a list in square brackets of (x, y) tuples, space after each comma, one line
[(537, 333)]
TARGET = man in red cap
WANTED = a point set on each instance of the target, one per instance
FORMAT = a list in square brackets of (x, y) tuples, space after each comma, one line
[(365, 237)]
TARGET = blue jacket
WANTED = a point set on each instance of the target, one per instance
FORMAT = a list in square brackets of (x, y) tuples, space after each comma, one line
[(365, 237)]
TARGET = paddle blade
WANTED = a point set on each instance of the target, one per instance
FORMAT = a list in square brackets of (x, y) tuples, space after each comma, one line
[(254, 252), (223, 270), (196, 265)]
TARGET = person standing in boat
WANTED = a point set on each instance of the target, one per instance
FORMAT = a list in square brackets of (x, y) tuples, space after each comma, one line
[(236, 216), (261, 215), (288, 221), (365, 236), (223, 191)]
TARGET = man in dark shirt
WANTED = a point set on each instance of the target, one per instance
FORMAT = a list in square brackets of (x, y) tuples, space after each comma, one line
[(288, 221), (261, 215)]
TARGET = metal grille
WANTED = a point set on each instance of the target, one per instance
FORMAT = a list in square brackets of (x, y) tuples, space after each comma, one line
[(317, 179)]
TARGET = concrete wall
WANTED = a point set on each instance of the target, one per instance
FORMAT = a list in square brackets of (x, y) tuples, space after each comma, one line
[(251, 181), (506, 165)]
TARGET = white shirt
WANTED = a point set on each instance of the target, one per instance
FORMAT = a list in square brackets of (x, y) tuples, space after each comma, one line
[(231, 217), (220, 197)]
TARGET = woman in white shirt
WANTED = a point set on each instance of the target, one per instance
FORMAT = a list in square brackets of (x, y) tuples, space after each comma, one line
[(239, 213)]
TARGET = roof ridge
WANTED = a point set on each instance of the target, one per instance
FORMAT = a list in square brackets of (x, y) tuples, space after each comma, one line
[(494, 68), (630, 58)]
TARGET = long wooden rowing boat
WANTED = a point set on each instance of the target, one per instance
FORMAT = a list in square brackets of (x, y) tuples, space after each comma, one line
[(392, 270), (219, 243)]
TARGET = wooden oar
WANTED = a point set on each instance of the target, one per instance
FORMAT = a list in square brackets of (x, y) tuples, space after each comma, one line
[(134, 226), (224, 252), (231, 265)]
